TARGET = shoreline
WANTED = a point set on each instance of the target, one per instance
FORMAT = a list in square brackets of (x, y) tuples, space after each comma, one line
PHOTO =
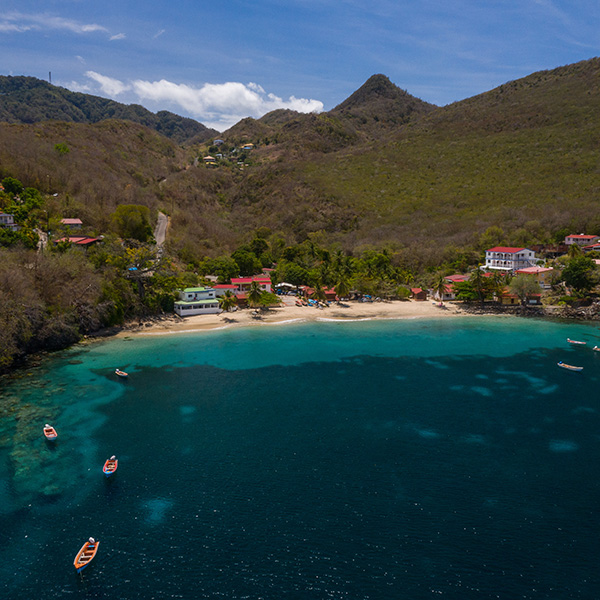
[(289, 313)]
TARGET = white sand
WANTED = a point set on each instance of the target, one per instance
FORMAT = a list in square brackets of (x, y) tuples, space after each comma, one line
[(290, 313)]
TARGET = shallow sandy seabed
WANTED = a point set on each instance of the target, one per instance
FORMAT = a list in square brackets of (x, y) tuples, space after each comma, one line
[(290, 313)]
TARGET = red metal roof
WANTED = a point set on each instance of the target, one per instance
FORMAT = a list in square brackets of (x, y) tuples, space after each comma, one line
[(506, 249), (582, 236)]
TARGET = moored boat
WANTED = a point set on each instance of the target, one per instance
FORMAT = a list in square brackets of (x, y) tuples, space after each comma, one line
[(50, 432), (120, 373), (576, 342), (86, 554), (563, 365), (596, 348), (110, 466)]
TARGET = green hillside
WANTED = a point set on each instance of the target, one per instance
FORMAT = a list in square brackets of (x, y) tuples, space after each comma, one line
[(31, 100)]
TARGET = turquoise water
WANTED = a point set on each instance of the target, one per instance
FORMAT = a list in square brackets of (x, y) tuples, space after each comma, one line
[(384, 459)]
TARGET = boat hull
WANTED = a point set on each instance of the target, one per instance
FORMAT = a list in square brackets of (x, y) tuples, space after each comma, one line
[(86, 554), (110, 469)]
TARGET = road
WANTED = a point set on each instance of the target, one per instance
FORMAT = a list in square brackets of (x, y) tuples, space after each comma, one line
[(160, 231)]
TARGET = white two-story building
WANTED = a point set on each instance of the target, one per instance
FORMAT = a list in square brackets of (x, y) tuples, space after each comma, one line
[(197, 301), (502, 258)]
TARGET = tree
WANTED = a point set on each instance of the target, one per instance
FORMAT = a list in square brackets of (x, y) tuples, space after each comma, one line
[(227, 301), (580, 274), (480, 284), (342, 287), (247, 262), (254, 294), (440, 287), (524, 286), (12, 186), (132, 221)]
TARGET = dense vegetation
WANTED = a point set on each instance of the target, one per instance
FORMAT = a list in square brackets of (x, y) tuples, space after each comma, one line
[(380, 193), (31, 100)]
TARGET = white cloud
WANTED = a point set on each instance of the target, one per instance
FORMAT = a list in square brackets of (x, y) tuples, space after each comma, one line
[(108, 85), (221, 105), (158, 33), (216, 105), (118, 36), (19, 22)]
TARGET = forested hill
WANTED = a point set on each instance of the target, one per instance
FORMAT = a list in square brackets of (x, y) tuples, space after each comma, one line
[(32, 100)]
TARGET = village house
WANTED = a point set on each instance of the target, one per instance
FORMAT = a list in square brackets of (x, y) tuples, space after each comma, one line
[(72, 223), (308, 292), (8, 221), (448, 294), (209, 160), (502, 258), (418, 294), (581, 239), (248, 147), (543, 275), (243, 283), (197, 301), (79, 240), (507, 298)]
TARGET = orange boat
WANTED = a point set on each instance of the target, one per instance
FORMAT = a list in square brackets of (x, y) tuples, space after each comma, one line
[(120, 373), (110, 466), (86, 554), (50, 432)]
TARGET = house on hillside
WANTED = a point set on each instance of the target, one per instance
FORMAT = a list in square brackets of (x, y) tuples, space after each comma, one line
[(7, 221), (503, 258), (209, 161), (581, 239), (248, 147), (197, 301), (72, 223), (543, 275), (79, 240)]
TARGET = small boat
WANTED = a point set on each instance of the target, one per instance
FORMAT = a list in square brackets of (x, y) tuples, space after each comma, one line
[(110, 466), (86, 554), (596, 348), (50, 432), (563, 365), (120, 373), (576, 342)]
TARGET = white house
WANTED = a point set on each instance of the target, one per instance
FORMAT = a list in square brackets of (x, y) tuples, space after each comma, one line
[(8, 221), (581, 239), (502, 258), (197, 301)]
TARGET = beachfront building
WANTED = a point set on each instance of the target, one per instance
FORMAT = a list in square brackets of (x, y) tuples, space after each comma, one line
[(508, 298), (448, 294), (503, 258), (543, 275), (243, 283), (581, 239), (197, 301), (418, 294)]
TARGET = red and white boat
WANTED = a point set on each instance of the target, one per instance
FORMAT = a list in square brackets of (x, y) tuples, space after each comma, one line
[(563, 365), (50, 432), (120, 373), (86, 554), (576, 342), (110, 466)]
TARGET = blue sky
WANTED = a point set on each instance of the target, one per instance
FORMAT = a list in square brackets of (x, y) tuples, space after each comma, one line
[(219, 62)]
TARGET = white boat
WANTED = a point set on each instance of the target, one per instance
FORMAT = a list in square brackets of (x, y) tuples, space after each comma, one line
[(576, 342), (563, 365)]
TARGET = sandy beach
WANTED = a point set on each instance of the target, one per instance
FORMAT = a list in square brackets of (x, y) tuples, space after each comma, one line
[(288, 312)]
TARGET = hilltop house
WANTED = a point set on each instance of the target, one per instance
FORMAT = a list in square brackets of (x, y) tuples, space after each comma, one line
[(197, 301), (79, 240), (581, 239), (502, 258)]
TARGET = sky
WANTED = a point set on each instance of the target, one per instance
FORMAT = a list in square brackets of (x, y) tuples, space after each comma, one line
[(219, 62)]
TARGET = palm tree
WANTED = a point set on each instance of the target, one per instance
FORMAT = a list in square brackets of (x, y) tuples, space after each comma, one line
[(254, 294), (440, 288), (342, 287), (227, 301)]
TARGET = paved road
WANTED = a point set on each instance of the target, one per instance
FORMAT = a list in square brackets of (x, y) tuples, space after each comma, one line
[(160, 231)]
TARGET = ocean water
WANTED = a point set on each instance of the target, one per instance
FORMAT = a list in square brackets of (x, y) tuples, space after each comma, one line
[(385, 459)]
